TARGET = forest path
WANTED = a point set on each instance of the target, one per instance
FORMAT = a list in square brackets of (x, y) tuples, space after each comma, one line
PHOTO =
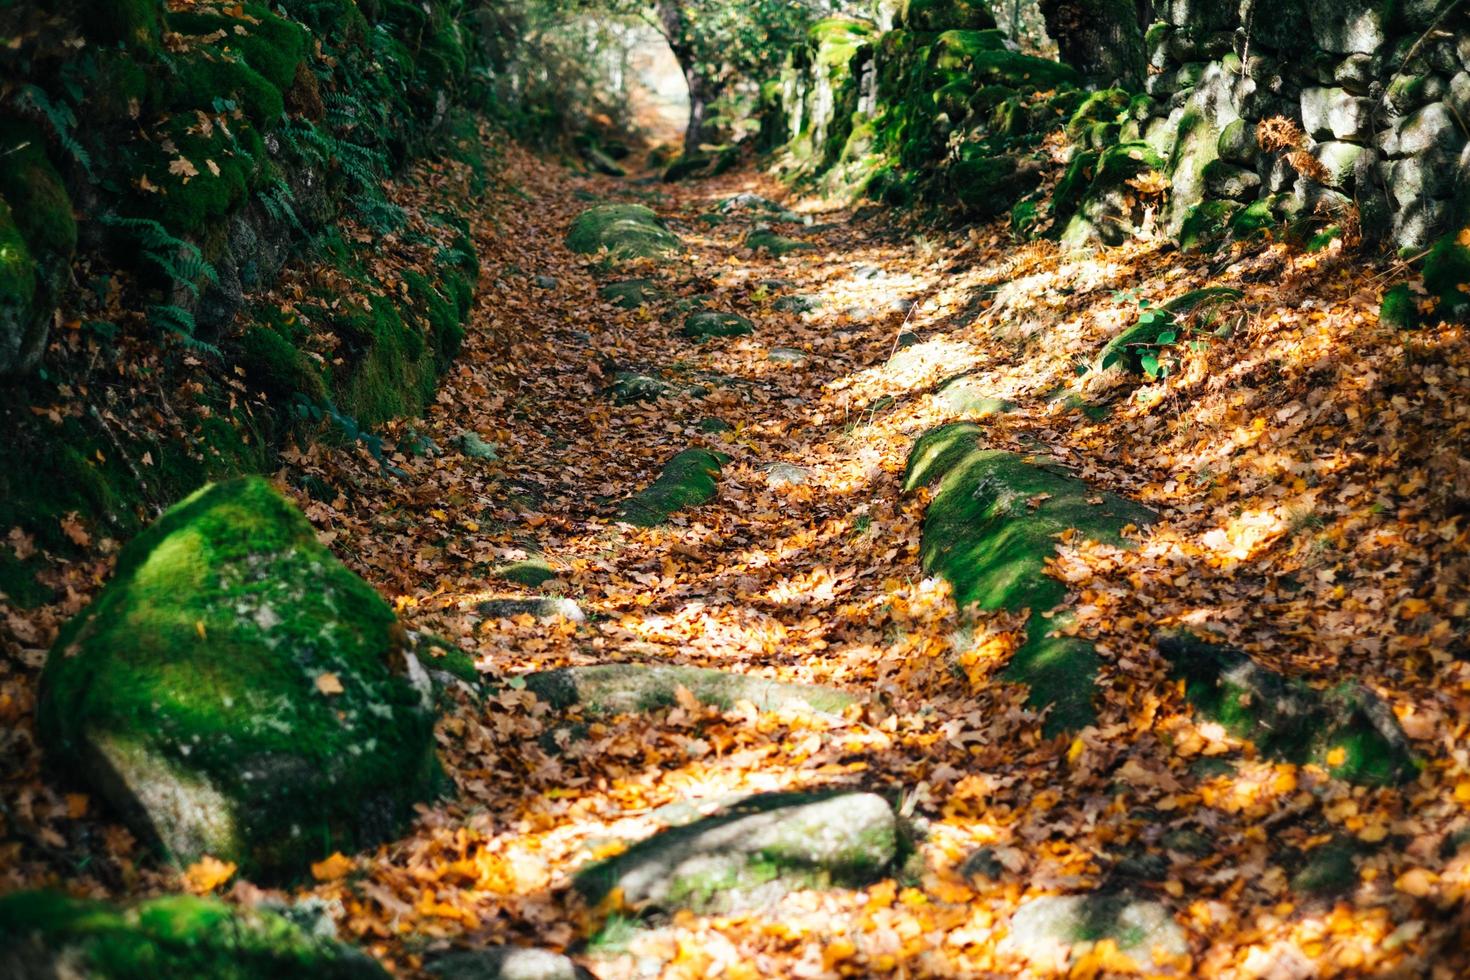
[(805, 568)]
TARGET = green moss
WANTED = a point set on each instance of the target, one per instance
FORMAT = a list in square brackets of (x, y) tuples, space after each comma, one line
[(1399, 309), (1206, 223), (1447, 275), (45, 217), (1005, 67), (17, 279), (1105, 106), (990, 529), (187, 200), (205, 77), (175, 936), (957, 50), (704, 324), (133, 22), (687, 480), (393, 373), (1067, 197), (990, 185), (532, 572), (274, 365), (1254, 220), (944, 15), (627, 231), (630, 293), (196, 667), (1346, 729), (271, 45), (766, 240)]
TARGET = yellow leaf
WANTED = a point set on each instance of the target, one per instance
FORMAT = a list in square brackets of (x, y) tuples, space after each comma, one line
[(1337, 756), (1418, 882), (1075, 751), (331, 868), (438, 514), (207, 874), (329, 683), (199, 628), (1462, 791), (1464, 236)]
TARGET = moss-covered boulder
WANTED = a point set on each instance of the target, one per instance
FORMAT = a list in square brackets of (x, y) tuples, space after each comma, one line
[(766, 240), (629, 294), (49, 935), (1399, 308), (992, 524), (687, 480), (1447, 275), (623, 688), (626, 231), (1051, 931), (20, 335), (1347, 729), (944, 15), (753, 853), (704, 324), (236, 691), (989, 185)]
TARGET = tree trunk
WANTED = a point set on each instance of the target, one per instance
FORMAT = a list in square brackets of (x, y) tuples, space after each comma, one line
[(1102, 39), (702, 90)]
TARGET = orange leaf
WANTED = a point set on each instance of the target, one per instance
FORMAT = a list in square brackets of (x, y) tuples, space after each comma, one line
[(329, 683), (332, 868), (207, 874)]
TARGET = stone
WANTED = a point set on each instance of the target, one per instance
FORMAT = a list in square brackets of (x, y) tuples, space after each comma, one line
[(1418, 223), (544, 282), (1238, 144), (765, 240), (687, 480), (1355, 73), (752, 854), (780, 475), (1229, 181), (475, 447), (704, 324), (630, 688), (236, 691), (634, 387), (1349, 26), (1345, 163), (1432, 126), (629, 294), (626, 231), (507, 963), (969, 397), (1334, 113), (787, 355), (1425, 176), (544, 608), (1347, 729), (47, 935), (1051, 931), (1458, 97), (796, 304)]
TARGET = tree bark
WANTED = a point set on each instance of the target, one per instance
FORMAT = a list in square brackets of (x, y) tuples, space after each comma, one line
[(1102, 39), (702, 90)]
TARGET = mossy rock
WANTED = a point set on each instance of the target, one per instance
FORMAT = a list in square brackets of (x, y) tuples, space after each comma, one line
[(47, 934), (628, 688), (752, 853), (1347, 729), (34, 187), (1206, 224), (704, 324), (990, 185), (1106, 106), (1010, 68), (272, 46), (22, 332), (689, 165), (531, 572), (687, 480), (957, 50), (967, 396), (1447, 275), (991, 526), (629, 294), (945, 15), (1399, 308), (197, 693), (626, 231), (1050, 930), (765, 240)]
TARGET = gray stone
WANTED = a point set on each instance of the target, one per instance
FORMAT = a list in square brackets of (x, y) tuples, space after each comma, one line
[(542, 608), (1334, 113), (781, 474), (1422, 177), (1458, 97), (1348, 26), (1462, 49), (796, 303), (1280, 176), (545, 282), (1227, 180), (787, 355), (474, 447), (1238, 143), (1355, 73), (1433, 125), (1420, 222), (1344, 162), (712, 324), (753, 853), (625, 688), (507, 963), (1050, 931)]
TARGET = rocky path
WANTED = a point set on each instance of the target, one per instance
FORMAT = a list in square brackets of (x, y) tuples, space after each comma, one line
[(742, 733)]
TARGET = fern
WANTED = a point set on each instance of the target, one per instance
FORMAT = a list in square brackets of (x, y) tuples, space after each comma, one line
[(62, 121), (180, 322), (278, 200), (181, 261)]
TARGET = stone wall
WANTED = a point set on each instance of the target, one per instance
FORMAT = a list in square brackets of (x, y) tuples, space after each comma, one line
[(1368, 103), (1380, 90)]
